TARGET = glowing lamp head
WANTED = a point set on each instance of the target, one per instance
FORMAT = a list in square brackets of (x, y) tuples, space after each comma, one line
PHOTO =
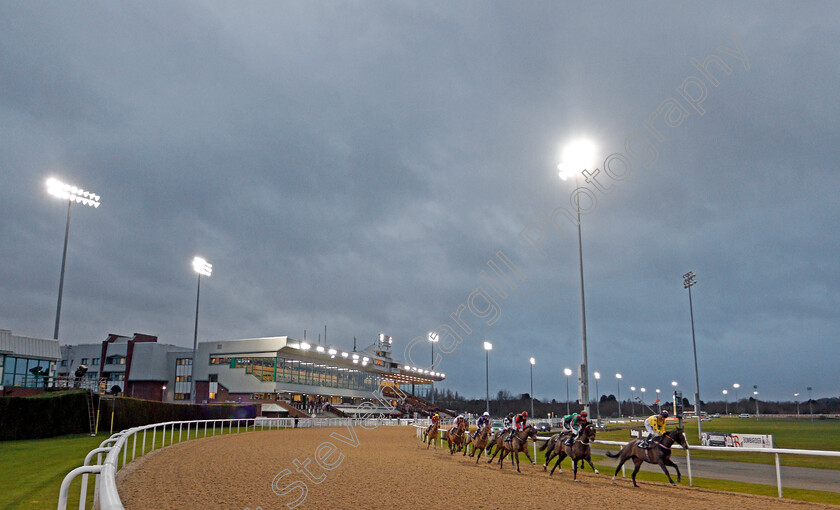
[(576, 157), (488, 346), (202, 267)]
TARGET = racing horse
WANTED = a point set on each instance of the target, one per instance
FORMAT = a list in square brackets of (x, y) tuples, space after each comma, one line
[(455, 437), (432, 435), (579, 451), (659, 452), (479, 443), (518, 443)]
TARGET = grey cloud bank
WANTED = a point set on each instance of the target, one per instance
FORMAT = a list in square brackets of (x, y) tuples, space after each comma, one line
[(360, 167)]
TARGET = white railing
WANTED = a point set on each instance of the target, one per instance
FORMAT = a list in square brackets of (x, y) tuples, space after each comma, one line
[(775, 451), (105, 492)]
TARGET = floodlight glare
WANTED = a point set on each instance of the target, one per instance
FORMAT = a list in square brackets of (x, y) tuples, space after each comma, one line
[(319, 348), (533, 361), (305, 346), (618, 376), (332, 352), (567, 371), (202, 267), (597, 375), (577, 156), (488, 346), (64, 191)]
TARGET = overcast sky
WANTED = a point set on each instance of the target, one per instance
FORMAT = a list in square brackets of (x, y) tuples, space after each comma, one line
[(357, 164)]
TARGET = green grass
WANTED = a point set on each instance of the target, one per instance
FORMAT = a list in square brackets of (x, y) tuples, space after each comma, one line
[(31, 471), (787, 433)]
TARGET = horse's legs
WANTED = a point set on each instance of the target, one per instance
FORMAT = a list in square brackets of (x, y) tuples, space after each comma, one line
[(638, 463), (517, 461), (480, 451), (548, 455), (588, 459), (525, 449), (665, 470), (496, 452), (560, 456), (670, 462), (621, 460)]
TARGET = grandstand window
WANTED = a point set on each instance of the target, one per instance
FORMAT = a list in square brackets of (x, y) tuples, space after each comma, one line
[(94, 361), (16, 372)]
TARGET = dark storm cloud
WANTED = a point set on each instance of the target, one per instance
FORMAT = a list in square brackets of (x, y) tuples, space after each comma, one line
[(358, 166)]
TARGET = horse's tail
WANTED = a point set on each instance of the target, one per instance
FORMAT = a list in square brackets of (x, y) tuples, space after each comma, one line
[(544, 446), (613, 455)]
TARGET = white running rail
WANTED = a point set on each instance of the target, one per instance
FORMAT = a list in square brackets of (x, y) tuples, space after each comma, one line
[(774, 451), (161, 435)]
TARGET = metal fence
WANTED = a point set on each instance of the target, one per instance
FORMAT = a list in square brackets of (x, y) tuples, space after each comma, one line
[(775, 451), (117, 447)]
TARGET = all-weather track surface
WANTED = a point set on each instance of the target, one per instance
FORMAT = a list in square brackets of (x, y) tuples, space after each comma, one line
[(388, 468)]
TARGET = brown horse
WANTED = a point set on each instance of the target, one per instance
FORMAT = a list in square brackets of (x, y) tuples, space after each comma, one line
[(455, 437), (519, 443), (579, 451), (479, 443), (659, 452), (432, 435)]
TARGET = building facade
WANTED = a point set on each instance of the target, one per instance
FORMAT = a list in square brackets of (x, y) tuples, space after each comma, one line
[(22, 358)]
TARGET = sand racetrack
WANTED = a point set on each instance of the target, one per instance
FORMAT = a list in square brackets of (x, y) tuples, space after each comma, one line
[(388, 468)]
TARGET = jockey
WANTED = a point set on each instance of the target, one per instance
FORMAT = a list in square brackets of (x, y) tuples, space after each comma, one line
[(435, 421), (458, 419), (483, 421), (575, 425), (566, 423), (519, 422), (655, 426)]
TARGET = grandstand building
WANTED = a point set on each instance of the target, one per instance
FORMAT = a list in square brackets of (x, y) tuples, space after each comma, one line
[(289, 377), (296, 373)]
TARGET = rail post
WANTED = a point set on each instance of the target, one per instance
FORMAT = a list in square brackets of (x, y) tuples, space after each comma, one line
[(778, 475), (688, 463)]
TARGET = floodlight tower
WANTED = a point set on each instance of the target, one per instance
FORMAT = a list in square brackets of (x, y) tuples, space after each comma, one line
[(202, 267), (72, 194), (689, 279)]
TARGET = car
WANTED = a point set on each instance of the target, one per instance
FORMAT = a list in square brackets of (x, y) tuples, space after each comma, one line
[(495, 426), (744, 415), (543, 426), (716, 415)]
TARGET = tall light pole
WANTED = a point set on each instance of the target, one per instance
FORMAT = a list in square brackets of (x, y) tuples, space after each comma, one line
[(618, 385), (725, 402), (487, 348), (597, 395), (72, 194), (632, 405), (658, 402), (576, 158), (643, 398), (796, 398), (755, 394), (433, 338), (202, 268), (533, 362), (735, 387), (689, 279), (810, 404), (568, 372)]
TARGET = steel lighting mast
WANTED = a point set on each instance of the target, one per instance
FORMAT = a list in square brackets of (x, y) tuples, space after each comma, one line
[(689, 279), (202, 267), (72, 194), (577, 157)]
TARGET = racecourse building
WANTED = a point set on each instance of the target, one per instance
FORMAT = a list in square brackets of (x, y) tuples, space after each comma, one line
[(282, 373), (25, 361), (296, 372)]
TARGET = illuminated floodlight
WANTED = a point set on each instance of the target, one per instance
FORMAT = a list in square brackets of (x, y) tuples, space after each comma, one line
[(577, 156), (488, 346), (305, 346), (443, 375), (344, 354), (64, 191), (597, 375), (202, 267), (567, 371), (406, 367), (320, 348), (618, 376), (365, 359), (332, 352), (533, 361), (355, 356)]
